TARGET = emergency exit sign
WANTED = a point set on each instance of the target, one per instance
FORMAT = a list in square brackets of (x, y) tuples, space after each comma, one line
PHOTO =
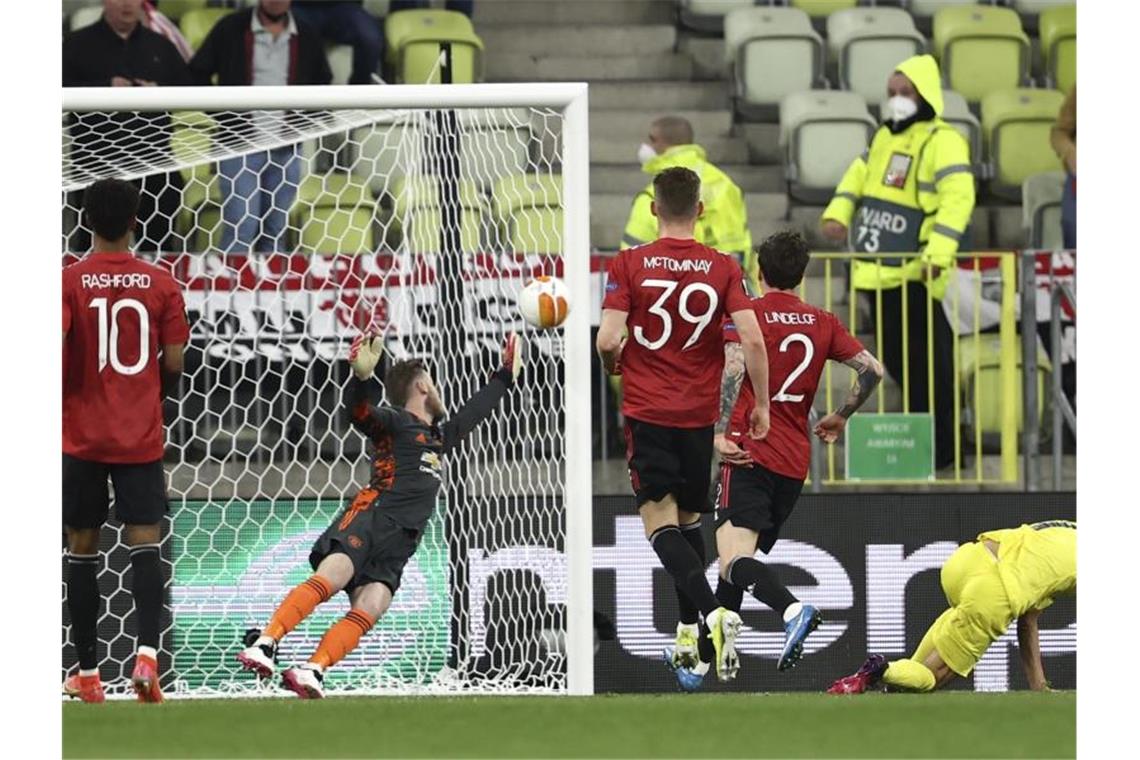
[(890, 447)]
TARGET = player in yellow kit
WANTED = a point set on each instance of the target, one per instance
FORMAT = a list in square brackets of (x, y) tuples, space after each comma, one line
[(1004, 575)]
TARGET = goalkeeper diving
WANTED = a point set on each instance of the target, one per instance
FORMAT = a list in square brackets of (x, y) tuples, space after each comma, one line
[(365, 549)]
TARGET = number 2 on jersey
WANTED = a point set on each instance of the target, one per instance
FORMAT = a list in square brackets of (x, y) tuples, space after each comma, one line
[(809, 352), (701, 320), (109, 335)]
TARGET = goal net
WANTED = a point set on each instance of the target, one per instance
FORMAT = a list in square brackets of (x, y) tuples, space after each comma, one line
[(293, 218)]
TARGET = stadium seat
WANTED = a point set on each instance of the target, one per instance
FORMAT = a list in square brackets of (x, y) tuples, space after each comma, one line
[(196, 24), (821, 131), (709, 15), (418, 212), (868, 43), (334, 214), (923, 11), (1041, 209), (1059, 46), (822, 8), (378, 8), (981, 49), (413, 45), (528, 213), (774, 52), (340, 61), (1032, 12), (982, 393), (496, 143), (1016, 125), (956, 112), (176, 9), (383, 154), (84, 17)]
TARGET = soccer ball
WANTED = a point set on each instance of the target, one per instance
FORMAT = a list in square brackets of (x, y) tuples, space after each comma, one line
[(544, 302)]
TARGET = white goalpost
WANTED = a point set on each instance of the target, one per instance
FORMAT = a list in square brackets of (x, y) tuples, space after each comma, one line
[(293, 217)]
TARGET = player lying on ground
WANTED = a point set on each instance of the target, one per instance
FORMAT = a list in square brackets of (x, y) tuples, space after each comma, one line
[(364, 551), (124, 329), (673, 295), (760, 480), (1004, 575)]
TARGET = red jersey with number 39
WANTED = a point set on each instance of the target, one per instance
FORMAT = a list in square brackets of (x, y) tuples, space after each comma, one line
[(800, 339), (676, 293), (117, 313)]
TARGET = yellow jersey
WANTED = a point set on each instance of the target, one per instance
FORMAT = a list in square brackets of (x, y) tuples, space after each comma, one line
[(1036, 562)]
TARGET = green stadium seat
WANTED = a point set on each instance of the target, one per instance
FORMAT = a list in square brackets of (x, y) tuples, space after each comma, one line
[(529, 214), (176, 9), (822, 8), (418, 213), (84, 17), (496, 143), (382, 154), (1059, 46), (981, 49), (867, 44), (413, 44), (340, 61), (197, 23), (774, 52), (378, 8), (334, 214), (709, 15), (821, 131), (1041, 209), (982, 396), (1016, 124)]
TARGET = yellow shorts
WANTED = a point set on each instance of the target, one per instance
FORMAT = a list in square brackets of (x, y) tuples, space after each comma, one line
[(979, 609)]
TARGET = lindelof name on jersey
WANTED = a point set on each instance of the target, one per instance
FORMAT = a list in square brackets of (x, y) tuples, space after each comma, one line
[(108, 280), (676, 265), (788, 318)]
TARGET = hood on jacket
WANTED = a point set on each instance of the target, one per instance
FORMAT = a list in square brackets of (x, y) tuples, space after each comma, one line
[(677, 155), (922, 71)]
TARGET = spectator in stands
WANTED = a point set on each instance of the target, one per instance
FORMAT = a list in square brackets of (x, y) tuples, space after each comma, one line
[(347, 23), (724, 223), (119, 51), (156, 21), (265, 45), (912, 191), (1064, 139)]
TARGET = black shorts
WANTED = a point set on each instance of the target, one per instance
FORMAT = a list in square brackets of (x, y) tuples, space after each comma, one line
[(665, 460), (140, 493), (378, 547), (757, 498)]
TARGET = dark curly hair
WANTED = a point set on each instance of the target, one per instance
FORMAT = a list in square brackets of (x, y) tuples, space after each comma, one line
[(783, 258)]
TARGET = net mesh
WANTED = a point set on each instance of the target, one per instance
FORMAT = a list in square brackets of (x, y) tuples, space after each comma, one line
[(290, 231)]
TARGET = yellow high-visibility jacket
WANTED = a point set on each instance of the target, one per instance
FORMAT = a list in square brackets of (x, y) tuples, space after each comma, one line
[(723, 225), (910, 192)]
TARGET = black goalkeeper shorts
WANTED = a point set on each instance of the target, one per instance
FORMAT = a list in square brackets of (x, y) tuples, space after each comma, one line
[(377, 546), (757, 498), (665, 460), (140, 493)]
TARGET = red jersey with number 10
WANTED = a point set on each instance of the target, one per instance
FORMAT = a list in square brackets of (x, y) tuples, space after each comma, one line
[(800, 339), (677, 293), (117, 313)]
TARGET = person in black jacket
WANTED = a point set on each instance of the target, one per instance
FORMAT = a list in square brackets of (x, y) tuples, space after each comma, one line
[(259, 46), (119, 51)]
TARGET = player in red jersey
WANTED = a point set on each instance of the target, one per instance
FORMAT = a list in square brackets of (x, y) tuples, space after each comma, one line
[(673, 295), (760, 480), (124, 329)]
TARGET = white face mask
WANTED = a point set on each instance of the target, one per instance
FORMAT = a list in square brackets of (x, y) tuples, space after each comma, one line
[(645, 153), (900, 108)]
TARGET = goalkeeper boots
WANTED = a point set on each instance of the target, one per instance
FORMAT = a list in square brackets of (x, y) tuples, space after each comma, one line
[(305, 681), (259, 656), (724, 626), (796, 630), (144, 679), (866, 677), (685, 649), (84, 688), (689, 679)]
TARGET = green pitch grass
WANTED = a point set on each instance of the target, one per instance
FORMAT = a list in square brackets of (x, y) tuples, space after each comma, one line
[(952, 724)]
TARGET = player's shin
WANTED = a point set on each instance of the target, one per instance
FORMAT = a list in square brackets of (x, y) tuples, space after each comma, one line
[(342, 638), (683, 564), (146, 587), (689, 614), (748, 572), (729, 595), (297, 605), (83, 606), (910, 675)]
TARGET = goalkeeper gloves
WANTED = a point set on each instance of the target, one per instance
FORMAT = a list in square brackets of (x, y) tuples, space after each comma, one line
[(365, 354), (512, 355)]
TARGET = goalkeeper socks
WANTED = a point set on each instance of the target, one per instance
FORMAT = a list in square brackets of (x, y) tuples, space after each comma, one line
[(690, 615), (83, 606), (298, 605), (688, 572), (342, 638), (146, 586), (750, 572), (909, 674), (729, 595)]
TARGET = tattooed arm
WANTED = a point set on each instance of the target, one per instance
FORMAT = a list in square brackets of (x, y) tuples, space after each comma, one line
[(868, 373), (730, 383)]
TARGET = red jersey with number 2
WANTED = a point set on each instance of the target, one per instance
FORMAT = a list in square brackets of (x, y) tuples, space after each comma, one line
[(117, 313), (677, 293), (800, 339)]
